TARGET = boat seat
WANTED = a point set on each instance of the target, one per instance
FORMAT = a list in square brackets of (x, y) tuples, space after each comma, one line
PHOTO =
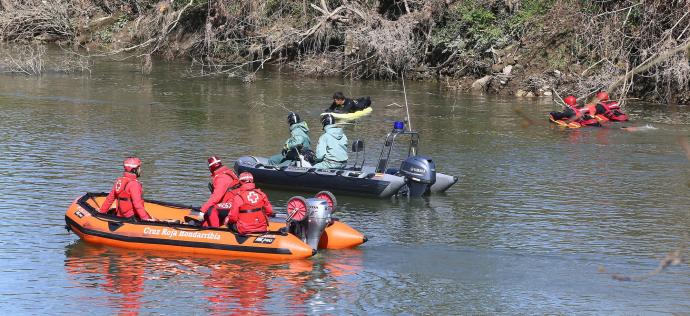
[(354, 174), (339, 172), (382, 164), (260, 165), (391, 171)]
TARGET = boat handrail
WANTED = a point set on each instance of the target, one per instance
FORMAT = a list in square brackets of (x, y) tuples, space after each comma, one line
[(390, 142)]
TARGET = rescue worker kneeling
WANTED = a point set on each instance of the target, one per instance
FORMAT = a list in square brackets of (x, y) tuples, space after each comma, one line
[(250, 208), (128, 192), (224, 182)]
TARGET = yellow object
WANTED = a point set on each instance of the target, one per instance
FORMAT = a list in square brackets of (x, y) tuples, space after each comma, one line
[(346, 117)]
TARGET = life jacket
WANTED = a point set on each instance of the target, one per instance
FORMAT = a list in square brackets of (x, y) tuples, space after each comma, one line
[(610, 107), (251, 218), (226, 202), (125, 207), (613, 111), (225, 171)]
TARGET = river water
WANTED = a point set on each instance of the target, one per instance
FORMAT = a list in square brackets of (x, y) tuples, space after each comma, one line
[(539, 220)]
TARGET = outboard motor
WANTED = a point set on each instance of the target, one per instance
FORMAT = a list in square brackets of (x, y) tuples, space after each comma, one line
[(419, 173), (318, 217)]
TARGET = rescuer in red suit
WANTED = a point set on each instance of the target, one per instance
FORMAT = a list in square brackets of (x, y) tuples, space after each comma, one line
[(250, 208), (223, 182), (128, 192)]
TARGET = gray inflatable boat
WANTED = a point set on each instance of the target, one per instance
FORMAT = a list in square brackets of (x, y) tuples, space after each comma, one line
[(416, 175)]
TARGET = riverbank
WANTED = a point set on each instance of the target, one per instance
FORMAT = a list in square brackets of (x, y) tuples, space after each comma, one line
[(508, 47)]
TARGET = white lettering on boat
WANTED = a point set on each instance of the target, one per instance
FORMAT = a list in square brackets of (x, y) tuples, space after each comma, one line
[(209, 235), (170, 233), (173, 233), (151, 231)]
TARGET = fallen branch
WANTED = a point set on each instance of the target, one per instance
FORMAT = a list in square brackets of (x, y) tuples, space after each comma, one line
[(649, 63), (673, 258)]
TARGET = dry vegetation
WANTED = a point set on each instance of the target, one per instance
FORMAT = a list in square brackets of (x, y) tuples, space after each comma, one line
[(631, 47)]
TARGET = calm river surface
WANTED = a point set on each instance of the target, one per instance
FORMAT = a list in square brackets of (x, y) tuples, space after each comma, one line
[(536, 214)]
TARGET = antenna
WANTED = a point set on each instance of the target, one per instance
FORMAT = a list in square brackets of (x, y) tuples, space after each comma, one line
[(407, 109)]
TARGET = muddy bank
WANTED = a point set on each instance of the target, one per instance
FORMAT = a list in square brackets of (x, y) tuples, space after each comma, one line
[(509, 47)]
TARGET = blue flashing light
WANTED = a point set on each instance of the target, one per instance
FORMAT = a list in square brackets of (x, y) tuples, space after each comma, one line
[(399, 125)]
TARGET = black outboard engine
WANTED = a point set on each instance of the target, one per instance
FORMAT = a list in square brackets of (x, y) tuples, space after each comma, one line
[(419, 173)]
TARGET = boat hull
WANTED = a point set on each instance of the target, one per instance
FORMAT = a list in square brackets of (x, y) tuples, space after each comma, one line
[(169, 235), (355, 182), (364, 182)]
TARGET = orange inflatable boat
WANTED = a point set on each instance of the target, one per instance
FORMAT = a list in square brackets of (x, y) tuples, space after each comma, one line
[(175, 233)]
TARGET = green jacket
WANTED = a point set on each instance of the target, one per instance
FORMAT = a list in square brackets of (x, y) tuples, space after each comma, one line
[(299, 136), (332, 145)]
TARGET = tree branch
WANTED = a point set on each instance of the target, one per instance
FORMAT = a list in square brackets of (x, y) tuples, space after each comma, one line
[(649, 63)]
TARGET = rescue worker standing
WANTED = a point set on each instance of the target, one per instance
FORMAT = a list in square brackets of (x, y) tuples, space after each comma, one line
[(299, 139), (250, 208), (128, 192), (331, 152), (223, 182)]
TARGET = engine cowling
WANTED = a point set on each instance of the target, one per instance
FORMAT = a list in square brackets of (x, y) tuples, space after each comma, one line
[(419, 173), (319, 216)]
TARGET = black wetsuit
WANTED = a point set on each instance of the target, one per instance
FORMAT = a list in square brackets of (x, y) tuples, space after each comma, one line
[(350, 106), (565, 114)]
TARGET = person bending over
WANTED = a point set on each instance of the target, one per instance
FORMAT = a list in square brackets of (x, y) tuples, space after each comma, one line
[(223, 184)]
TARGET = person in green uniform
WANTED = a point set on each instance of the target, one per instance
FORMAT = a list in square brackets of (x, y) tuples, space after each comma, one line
[(331, 152), (299, 140)]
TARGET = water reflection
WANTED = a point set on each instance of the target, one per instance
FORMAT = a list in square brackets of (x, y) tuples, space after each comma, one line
[(216, 285), (531, 200)]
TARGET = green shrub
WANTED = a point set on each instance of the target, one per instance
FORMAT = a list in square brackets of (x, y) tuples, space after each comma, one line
[(530, 12), (468, 22)]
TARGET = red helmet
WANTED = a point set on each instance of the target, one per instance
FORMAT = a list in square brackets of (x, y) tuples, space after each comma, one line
[(214, 163), (246, 177), (132, 163), (603, 96), (570, 100)]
